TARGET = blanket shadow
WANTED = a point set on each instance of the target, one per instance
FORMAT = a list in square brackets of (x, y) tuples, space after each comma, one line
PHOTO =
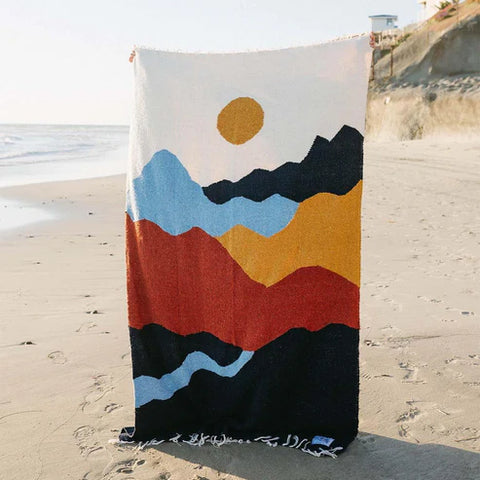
[(369, 457)]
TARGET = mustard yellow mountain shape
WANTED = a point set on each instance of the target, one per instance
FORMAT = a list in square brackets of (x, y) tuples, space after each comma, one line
[(325, 231)]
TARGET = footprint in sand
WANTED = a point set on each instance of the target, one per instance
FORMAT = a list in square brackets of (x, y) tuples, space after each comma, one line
[(85, 441), (429, 300), (91, 449), (84, 327), (409, 415), (366, 438), (123, 467), (127, 467), (111, 407), (411, 373), (164, 476), (57, 357), (472, 384), (101, 386), (83, 432)]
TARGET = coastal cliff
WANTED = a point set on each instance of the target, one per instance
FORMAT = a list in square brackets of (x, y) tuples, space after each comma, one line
[(431, 87)]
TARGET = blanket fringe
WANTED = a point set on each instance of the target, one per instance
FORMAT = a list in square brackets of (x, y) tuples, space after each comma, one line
[(199, 439), (251, 50)]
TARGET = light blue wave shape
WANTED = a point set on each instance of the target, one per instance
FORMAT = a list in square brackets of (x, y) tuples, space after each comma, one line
[(165, 194), (151, 388)]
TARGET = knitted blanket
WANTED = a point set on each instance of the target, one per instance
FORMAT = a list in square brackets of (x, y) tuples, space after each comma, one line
[(243, 246)]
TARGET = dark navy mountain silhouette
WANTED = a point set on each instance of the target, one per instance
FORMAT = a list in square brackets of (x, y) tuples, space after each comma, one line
[(156, 362), (333, 166), (215, 405)]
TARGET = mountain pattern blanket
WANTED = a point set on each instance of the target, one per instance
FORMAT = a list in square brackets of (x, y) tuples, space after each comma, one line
[(243, 246)]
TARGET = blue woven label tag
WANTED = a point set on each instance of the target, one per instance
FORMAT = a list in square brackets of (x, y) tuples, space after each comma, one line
[(319, 440)]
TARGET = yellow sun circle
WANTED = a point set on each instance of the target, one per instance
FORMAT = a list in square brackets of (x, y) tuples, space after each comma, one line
[(240, 120)]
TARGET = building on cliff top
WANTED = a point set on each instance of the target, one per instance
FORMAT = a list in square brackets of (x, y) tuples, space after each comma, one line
[(383, 22)]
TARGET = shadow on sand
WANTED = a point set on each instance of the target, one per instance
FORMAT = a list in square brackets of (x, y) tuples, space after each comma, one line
[(369, 457)]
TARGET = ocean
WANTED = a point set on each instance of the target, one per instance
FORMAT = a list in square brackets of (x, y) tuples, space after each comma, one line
[(48, 153)]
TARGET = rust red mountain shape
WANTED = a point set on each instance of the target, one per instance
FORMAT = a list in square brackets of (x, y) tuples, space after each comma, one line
[(189, 284)]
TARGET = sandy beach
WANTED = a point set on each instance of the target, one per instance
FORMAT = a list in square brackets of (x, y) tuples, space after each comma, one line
[(64, 348)]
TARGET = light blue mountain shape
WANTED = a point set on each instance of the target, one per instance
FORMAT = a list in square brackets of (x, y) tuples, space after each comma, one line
[(151, 388), (165, 194)]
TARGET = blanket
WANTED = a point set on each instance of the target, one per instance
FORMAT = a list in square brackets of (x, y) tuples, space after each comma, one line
[(243, 246)]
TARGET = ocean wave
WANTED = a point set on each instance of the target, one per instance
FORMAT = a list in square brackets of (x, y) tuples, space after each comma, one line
[(31, 155), (32, 152), (10, 139)]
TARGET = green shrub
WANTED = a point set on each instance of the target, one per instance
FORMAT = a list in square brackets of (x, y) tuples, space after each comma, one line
[(443, 5)]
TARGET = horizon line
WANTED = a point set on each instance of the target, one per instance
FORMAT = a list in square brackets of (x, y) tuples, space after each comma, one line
[(67, 124)]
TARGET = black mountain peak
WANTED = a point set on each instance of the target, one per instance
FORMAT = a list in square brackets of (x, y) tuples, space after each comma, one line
[(333, 166)]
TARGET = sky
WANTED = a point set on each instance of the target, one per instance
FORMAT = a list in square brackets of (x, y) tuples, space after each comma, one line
[(66, 61)]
